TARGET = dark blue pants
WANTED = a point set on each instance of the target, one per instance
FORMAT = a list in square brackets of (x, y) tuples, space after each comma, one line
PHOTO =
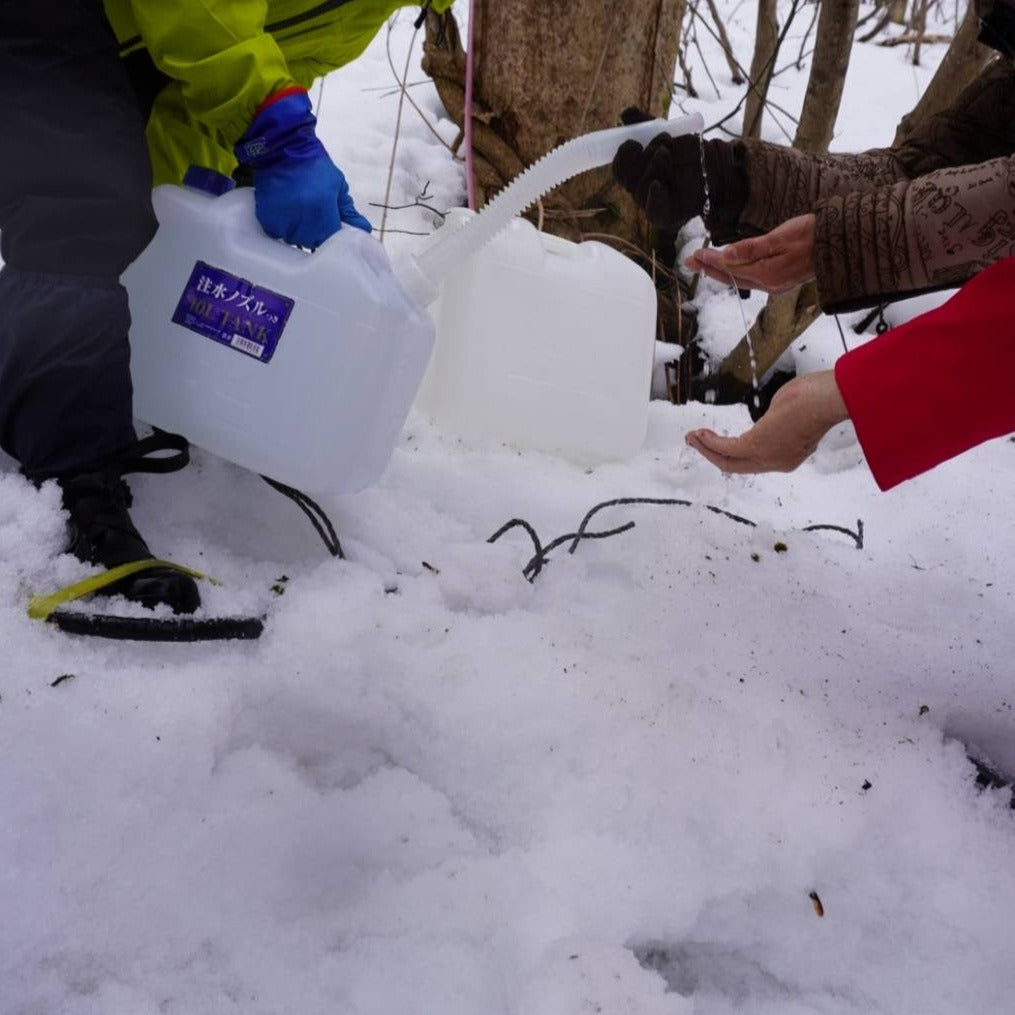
[(75, 210)]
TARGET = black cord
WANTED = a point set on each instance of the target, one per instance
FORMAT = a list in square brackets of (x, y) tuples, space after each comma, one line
[(320, 521), (857, 536), (536, 562), (838, 324)]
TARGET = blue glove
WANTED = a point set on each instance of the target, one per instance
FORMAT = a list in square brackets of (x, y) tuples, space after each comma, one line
[(300, 195)]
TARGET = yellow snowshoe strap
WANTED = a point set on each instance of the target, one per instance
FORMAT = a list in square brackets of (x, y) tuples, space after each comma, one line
[(42, 607)]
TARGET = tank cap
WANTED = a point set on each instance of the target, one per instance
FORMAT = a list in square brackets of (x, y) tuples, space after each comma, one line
[(208, 180)]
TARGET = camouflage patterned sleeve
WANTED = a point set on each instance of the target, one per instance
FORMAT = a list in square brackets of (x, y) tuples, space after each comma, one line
[(915, 236), (925, 214), (977, 127), (784, 182)]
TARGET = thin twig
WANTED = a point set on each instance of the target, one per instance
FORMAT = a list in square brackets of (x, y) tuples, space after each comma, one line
[(769, 104), (398, 120)]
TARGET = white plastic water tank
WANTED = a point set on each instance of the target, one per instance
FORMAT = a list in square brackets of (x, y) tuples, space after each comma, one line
[(299, 366), (544, 344)]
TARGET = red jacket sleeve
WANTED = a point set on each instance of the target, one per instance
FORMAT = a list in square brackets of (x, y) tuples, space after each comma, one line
[(937, 385)]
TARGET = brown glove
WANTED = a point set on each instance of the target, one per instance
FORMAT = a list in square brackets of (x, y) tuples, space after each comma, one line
[(997, 25), (667, 178)]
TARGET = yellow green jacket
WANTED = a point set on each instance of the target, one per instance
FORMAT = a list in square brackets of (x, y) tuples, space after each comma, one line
[(226, 56)]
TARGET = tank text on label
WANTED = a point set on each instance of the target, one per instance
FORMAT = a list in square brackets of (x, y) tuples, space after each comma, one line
[(233, 311)]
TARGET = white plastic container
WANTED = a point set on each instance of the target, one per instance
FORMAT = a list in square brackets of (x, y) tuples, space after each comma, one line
[(545, 344), (298, 366), (303, 367)]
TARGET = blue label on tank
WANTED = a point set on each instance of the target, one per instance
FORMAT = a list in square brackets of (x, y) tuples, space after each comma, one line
[(233, 311)]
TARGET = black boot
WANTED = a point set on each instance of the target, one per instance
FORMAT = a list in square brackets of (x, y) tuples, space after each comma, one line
[(101, 532)]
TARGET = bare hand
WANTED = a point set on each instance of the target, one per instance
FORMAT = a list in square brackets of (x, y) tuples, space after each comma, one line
[(775, 263), (801, 413)]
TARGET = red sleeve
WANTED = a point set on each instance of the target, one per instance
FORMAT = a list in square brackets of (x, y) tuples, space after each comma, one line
[(937, 385)]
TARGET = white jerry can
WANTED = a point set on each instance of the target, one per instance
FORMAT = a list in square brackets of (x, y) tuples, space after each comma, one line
[(544, 344), (299, 366), (303, 367)]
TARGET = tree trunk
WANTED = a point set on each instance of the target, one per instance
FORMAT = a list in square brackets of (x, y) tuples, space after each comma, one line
[(766, 44), (829, 63), (546, 71), (962, 63), (788, 315)]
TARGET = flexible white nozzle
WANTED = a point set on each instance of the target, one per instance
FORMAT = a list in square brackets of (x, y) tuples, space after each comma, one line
[(422, 273)]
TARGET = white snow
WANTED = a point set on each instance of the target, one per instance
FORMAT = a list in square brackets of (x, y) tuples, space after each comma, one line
[(433, 787)]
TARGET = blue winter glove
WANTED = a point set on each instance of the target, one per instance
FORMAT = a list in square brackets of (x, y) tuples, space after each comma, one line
[(300, 195)]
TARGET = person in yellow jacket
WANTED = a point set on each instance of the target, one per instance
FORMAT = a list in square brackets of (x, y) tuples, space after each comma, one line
[(98, 101), (218, 74)]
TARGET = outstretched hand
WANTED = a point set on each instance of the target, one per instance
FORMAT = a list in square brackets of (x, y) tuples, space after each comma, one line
[(801, 413), (776, 262)]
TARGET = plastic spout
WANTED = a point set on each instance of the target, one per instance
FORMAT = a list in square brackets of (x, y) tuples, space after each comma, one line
[(422, 273)]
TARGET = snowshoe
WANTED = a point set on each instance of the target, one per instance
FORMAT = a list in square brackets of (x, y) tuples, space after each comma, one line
[(101, 532)]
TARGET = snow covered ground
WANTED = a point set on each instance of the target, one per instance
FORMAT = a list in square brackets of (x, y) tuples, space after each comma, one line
[(435, 788)]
